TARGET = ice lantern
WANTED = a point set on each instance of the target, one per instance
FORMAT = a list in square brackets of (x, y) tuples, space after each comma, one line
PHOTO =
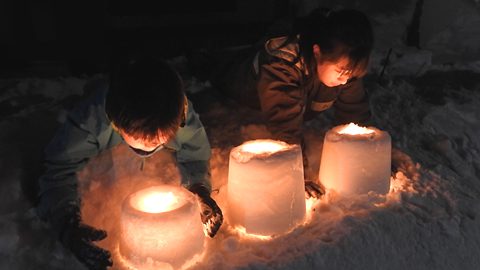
[(160, 228), (356, 160), (266, 192)]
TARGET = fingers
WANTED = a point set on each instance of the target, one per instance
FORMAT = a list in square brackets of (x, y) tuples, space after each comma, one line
[(91, 233), (313, 190), (212, 217), (206, 213), (309, 192), (92, 256), (215, 225), (78, 238), (212, 225)]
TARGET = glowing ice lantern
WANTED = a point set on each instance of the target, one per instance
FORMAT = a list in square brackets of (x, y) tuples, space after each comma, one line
[(266, 192), (160, 228), (356, 160)]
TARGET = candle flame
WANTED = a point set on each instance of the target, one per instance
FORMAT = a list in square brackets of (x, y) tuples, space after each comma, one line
[(156, 202), (263, 147), (354, 129)]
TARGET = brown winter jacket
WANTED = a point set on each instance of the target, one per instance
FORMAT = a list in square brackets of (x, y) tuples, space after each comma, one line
[(287, 91), (277, 81)]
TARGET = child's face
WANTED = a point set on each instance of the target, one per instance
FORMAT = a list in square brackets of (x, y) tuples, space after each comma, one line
[(142, 144), (333, 73)]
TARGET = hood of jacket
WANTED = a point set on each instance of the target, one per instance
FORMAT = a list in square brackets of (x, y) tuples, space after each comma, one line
[(290, 52)]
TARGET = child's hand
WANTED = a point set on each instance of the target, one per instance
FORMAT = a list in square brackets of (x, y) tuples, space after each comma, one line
[(211, 216), (312, 189), (210, 213), (79, 238)]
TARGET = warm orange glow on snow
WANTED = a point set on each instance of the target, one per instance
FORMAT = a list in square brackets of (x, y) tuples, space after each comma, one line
[(155, 201), (243, 233), (354, 129), (263, 146)]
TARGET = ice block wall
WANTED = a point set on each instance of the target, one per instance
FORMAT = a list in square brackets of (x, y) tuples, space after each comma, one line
[(356, 162), (266, 193), (160, 226)]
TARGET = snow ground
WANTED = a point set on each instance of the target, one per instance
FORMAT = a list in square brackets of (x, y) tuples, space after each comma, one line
[(429, 220)]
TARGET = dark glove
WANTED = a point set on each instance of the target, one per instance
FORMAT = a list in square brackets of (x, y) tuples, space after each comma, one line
[(312, 189), (210, 213), (78, 237)]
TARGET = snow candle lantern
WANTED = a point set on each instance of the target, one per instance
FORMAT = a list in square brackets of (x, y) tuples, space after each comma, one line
[(266, 192), (356, 160), (160, 228)]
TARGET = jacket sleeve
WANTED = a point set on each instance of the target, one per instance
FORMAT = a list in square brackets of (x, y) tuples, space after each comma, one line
[(193, 151), (84, 134), (281, 100), (352, 104)]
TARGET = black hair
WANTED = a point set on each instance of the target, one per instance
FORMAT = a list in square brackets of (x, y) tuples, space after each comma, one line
[(145, 98), (345, 32)]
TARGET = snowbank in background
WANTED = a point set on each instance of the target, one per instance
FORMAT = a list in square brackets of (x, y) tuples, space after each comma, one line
[(448, 28)]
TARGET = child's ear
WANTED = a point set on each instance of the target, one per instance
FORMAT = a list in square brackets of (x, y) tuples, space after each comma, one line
[(316, 52)]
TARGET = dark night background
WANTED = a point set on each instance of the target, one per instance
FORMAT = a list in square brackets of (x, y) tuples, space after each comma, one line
[(54, 37)]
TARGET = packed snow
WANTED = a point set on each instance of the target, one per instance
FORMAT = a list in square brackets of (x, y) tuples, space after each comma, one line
[(428, 220)]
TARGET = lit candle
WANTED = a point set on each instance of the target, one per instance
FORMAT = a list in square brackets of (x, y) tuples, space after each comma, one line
[(356, 160), (160, 227), (266, 192)]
